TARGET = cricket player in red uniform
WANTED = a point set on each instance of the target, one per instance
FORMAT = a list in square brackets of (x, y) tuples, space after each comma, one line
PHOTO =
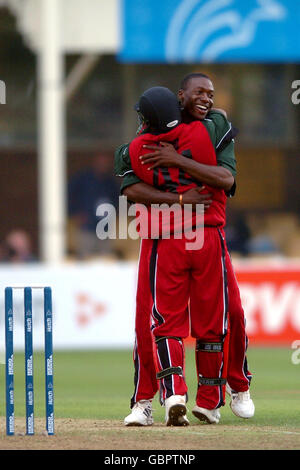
[(185, 284), (145, 383)]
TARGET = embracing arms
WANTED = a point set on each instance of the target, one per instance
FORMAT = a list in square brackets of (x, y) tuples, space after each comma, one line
[(146, 194), (138, 191), (221, 176), (166, 155)]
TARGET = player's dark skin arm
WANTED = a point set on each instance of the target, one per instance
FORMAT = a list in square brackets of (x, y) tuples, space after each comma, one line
[(166, 155), (147, 194)]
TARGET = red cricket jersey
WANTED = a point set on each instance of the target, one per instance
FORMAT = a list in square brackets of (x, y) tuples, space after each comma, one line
[(192, 141)]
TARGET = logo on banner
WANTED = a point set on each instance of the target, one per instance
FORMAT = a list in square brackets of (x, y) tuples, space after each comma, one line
[(88, 309), (206, 29)]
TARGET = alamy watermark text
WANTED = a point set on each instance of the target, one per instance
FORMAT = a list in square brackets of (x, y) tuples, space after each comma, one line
[(296, 94), (2, 92)]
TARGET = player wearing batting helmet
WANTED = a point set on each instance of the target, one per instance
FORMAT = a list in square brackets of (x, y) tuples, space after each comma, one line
[(196, 96)]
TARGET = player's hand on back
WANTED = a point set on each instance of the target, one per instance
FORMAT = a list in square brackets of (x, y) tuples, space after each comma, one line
[(163, 155), (195, 196)]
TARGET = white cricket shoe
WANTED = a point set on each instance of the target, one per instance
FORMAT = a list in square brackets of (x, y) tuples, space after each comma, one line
[(176, 411), (242, 405), (141, 414), (209, 416)]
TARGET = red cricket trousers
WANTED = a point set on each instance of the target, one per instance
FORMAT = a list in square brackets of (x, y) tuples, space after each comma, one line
[(145, 381), (188, 290)]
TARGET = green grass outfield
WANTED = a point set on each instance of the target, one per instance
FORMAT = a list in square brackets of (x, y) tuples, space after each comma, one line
[(98, 385)]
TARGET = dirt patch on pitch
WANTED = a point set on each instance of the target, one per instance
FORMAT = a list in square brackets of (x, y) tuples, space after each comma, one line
[(78, 434)]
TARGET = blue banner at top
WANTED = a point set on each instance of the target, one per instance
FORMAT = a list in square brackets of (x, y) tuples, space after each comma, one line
[(189, 31)]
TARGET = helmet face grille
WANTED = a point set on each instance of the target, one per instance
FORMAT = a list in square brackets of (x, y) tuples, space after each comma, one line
[(141, 120)]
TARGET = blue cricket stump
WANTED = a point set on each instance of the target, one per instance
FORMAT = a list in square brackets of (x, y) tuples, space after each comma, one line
[(9, 359), (9, 362), (28, 360), (48, 321)]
